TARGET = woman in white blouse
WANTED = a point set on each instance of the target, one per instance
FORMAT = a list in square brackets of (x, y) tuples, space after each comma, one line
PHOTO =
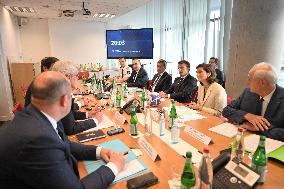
[(212, 97)]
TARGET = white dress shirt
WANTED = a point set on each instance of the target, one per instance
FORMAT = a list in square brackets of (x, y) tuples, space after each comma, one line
[(266, 101)]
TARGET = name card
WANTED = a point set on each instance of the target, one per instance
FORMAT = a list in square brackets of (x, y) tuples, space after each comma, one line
[(120, 117), (150, 151), (198, 135)]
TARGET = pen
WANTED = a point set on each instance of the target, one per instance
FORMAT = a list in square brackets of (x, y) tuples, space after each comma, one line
[(125, 153)]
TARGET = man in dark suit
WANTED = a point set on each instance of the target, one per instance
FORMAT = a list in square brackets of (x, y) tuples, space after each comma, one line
[(138, 77), (162, 80), (46, 65), (34, 151), (183, 87), (260, 107), (220, 75), (71, 126)]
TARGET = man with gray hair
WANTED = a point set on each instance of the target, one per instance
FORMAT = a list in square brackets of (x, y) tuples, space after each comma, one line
[(35, 152), (260, 107)]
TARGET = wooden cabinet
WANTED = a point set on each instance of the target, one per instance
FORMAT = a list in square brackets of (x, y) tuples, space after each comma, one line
[(21, 75)]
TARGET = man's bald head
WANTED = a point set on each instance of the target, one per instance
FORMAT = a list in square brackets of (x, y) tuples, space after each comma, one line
[(49, 86)]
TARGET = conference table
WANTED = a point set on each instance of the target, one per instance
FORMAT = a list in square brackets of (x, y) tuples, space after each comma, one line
[(170, 159)]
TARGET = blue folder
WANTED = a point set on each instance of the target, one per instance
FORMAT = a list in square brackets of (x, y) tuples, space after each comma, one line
[(118, 146)]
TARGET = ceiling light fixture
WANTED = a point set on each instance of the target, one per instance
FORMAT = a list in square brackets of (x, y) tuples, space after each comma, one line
[(102, 15), (95, 15), (112, 16), (20, 9)]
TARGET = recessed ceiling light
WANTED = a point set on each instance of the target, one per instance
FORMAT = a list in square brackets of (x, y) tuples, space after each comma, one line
[(102, 15), (20, 9), (95, 15), (112, 16), (107, 15)]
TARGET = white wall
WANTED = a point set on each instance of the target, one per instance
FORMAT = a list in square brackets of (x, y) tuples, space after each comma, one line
[(77, 41), (35, 40), (10, 48)]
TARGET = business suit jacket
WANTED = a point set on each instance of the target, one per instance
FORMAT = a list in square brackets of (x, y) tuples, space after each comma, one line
[(141, 79), (247, 103), (163, 84), (71, 126), (215, 99), (182, 91), (32, 155), (220, 77)]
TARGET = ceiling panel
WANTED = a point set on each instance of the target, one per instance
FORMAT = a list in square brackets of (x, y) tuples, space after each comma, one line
[(54, 8)]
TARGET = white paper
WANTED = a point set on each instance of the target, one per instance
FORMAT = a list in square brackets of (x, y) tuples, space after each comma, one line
[(226, 129), (129, 169), (106, 123), (193, 117), (251, 143)]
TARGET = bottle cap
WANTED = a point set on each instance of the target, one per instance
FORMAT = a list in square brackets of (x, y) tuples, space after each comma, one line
[(188, 154), (206, 150), (240, 129), (262, 137)]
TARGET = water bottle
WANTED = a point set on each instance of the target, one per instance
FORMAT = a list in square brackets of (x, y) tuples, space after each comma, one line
[(205, 171), (259, 160), (175, 133), (238, 146), (188, 177), (162, 124), (148, 121)]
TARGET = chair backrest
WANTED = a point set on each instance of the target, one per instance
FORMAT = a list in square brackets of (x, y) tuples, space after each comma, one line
[(85, 73), (229, 100), (194, 95), (17, 108)]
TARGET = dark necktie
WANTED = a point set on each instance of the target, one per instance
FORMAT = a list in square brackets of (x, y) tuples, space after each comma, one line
[(122, 74), (259, 106), (60, 131)]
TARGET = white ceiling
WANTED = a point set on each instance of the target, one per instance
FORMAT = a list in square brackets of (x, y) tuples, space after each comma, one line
[(53, 8)]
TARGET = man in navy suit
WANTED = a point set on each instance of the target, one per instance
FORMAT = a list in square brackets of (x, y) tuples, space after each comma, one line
[(138, 77), (162, 80), (260, 107), (35, 152), (183, 87)]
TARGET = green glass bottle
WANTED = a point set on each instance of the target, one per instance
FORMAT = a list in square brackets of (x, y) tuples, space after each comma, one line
[(143, 99), (259, 160), (125, 90), (118, 99), (113, 85), (188, 177), (133, 121), (84, 79), (173, 114)]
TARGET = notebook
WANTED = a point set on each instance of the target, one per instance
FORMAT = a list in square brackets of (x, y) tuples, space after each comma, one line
[(133, 167), (91, 136)]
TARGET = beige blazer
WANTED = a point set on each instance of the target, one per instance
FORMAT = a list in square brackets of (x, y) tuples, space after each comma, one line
[(215, 99)]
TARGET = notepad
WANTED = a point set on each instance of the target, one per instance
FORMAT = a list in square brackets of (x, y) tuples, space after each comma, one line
[(277, 154), (133, 165), (226, 129), (251, 143), (105, 123)]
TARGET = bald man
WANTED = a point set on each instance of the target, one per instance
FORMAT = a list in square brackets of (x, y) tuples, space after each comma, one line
[(260, 107), (34, 151)]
